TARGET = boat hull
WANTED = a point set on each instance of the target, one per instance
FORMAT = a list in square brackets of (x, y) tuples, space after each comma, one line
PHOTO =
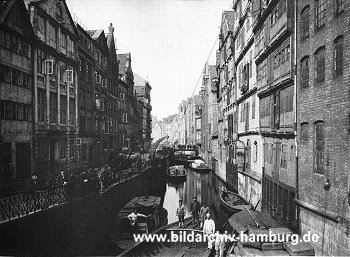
[(241, 203), (176, 179), (205, 170)]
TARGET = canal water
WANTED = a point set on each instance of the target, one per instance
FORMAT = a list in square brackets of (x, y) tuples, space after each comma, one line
[(206, 187)]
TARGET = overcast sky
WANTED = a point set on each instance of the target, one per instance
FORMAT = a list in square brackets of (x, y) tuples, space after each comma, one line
[(169, 40)]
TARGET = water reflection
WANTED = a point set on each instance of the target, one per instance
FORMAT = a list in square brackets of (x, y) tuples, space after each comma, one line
[(206, 187)]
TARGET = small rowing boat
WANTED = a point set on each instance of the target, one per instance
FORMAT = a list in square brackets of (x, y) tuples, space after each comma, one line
[(234, 202)]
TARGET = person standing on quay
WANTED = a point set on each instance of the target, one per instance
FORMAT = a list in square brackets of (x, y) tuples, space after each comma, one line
[(180, 212), (203, 212), (195, 207), (208, 230)]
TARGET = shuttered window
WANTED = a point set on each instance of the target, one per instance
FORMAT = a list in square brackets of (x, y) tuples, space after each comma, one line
[(319, 146), (304, 66), (338, 56)]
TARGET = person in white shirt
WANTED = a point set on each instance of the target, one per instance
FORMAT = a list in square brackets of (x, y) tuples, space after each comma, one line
[(208, 229), (133, 218)]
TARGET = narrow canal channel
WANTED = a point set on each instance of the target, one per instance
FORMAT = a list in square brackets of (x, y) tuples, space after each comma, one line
[(206, 187)]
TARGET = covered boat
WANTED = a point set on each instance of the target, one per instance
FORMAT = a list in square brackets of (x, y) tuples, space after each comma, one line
[(185, 156), (176, 173), (198, 165), (234, 202), (156, 216)]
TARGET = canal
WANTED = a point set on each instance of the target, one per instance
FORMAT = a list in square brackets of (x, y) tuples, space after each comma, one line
[(206, 187)]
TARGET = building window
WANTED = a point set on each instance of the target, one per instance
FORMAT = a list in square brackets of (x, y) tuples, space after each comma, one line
[(5, 74), (17, 78), (320, 11), (304, 132), (271, 154), (59, 13), (274, 16), (63, 107), (305, 20), (253, 107), (53, 107), (63, 42), (319, 146), (247, 157), (320, 68), (339, 6), (40, 25), (41, 105), (51, 35), (281, 7), (63, 151), (304, 66), (284, 157), (72, 111), (338, 56), (40, 62)]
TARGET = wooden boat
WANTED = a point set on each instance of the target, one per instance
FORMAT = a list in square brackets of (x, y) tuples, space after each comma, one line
[(199, 166), (122, 235), (234, 202), (171, 248), (176, 171), (184, 157)]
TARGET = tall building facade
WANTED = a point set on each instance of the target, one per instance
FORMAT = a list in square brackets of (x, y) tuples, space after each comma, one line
[(323, 59), (101, 80), (98, 101), (246, 148), (55, 88), (125, 92), (273, 51), (86, 94), (209, 121), (143, 93), (226, 95), (17, 96)]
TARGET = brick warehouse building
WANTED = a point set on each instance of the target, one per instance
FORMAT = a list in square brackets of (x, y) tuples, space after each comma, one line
[(55, 87), (273, 27), (323, 55), (16, 97)]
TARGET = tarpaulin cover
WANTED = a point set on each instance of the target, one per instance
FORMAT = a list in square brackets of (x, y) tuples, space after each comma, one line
[(242, 220)]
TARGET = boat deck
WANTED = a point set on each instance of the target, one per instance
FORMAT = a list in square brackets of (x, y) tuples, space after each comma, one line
[(140, 203)]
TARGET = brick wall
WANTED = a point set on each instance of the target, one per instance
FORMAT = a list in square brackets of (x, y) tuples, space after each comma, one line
[(327, 101)]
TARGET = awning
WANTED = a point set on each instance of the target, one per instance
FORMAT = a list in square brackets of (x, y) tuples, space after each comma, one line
[(240, 221)]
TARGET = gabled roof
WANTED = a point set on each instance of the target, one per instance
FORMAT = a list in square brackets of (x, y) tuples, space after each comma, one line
[(38, 2), (98, 36), (139, 81), (95, 34), (5, 9), (122, 58)]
